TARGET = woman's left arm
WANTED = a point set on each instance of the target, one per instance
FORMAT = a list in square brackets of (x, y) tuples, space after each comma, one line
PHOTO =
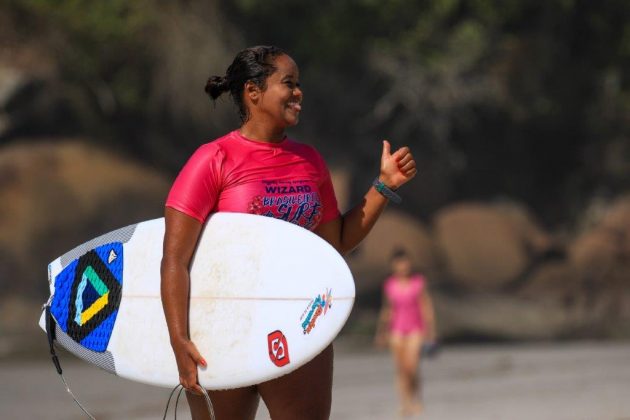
[(428, 314), (347, 231)]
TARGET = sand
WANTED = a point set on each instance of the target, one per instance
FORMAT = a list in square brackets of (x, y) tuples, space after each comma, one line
[(579, 380)]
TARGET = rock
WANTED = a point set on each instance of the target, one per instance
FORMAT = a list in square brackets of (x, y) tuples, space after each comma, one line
[(537, 240), (11, 80), (557, 281), (25, 67), (57, 194), (605, 242), (617, 219), (20, 334), (370, 261), (14, 311), (594, 250), (499, 317), (483, 247)]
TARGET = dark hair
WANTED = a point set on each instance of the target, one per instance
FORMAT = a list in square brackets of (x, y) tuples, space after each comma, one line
[(399, 252), (253, 64)]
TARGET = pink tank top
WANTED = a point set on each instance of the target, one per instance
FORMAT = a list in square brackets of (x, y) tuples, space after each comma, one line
[(406, 316), (286, 180)]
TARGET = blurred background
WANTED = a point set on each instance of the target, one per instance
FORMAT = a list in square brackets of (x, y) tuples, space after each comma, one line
[(518, 114)]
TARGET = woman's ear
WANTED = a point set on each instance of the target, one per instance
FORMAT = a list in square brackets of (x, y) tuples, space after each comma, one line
[(252, 91)]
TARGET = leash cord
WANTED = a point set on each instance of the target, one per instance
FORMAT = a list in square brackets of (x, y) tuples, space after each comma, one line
[(75, 398), (50, 333), (208, 403), (179, 394), (168, 402)]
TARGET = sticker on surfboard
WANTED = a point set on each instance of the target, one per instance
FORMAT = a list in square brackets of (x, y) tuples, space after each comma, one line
[(316, 308), (278, 348), (87, 296)]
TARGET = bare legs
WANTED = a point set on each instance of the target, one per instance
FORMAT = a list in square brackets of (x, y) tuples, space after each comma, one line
[(406, 352), (237, 404), (304, 394)]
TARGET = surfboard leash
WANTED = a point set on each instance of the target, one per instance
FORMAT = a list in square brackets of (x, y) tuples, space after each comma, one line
[(168, 402), (179, 394), (50, 333)]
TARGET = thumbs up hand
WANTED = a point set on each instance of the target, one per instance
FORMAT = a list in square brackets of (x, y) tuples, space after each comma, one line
[(396, 168)]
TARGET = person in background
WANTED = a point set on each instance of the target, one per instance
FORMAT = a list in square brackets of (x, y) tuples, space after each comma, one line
[(406, 322)]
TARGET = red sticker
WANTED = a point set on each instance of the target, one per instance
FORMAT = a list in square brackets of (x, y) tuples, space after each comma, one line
[(278, 348)]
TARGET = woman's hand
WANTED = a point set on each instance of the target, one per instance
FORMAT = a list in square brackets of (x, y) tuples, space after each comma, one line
[(431, 336), (396, 168), (188, 358), (381, 340)]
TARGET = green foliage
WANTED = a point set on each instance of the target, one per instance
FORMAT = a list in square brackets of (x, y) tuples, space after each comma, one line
[(112, 20), (101, 44)]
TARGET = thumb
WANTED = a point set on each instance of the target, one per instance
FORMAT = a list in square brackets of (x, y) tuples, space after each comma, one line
[(386, 150)]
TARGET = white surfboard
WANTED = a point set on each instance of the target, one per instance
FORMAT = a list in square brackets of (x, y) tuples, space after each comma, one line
[(266, 297)]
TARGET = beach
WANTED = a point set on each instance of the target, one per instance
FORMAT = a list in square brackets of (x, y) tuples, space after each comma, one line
[(555, 381)]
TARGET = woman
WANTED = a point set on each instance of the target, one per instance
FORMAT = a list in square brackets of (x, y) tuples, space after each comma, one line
[(406, 321), (230, 174)]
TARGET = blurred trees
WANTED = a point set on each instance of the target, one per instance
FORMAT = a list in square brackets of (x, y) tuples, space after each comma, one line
[(99, 49), (526, 100), (499, 98)]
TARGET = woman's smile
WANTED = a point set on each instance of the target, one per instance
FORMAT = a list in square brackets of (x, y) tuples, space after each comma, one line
[(295, 106)]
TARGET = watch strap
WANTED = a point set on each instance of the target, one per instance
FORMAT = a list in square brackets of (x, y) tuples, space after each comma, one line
[(385, 191)]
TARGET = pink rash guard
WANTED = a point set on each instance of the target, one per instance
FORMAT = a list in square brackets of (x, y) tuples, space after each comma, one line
[(406, 317), (286, 180)]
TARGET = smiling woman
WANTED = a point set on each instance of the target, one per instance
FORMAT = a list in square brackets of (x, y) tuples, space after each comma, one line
[(257, 169), (265, 70)]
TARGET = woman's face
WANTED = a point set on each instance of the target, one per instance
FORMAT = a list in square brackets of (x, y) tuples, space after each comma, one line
[(281, 99), (401, 266)]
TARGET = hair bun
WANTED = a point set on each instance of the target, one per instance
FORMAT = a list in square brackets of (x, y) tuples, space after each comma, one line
[(216, 86)]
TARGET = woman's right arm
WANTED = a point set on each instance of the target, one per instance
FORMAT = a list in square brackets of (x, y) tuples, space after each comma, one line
[(382, 324), (180, 239)]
